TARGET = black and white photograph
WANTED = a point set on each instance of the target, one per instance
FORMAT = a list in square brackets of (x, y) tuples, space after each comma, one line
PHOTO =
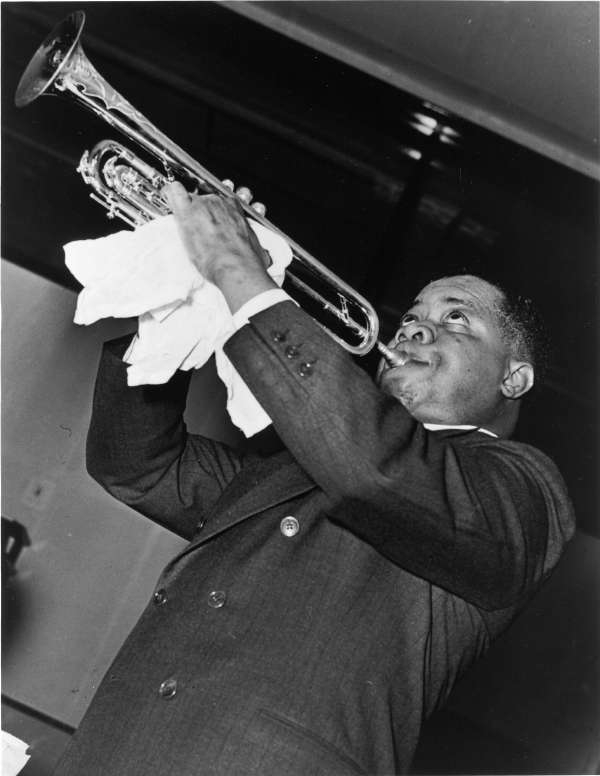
[(300, 388)]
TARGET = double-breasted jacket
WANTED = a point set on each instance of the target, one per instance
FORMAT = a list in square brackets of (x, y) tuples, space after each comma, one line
[(330, 593)]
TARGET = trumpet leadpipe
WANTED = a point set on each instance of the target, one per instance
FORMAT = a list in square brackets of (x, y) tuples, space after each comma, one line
[(129, 188)]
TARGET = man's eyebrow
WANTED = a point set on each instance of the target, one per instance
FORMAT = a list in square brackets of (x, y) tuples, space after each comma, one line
[(469, 304), (450, 300), (457, 300)]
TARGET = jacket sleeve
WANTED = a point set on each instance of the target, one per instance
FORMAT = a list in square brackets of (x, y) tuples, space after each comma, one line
[(139, 450), (473, 517)]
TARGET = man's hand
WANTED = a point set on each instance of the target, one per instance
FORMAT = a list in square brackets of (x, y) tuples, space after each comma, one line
[(214, 231), (220, 243)]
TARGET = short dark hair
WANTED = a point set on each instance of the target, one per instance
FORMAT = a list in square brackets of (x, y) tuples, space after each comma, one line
[(523, 329)]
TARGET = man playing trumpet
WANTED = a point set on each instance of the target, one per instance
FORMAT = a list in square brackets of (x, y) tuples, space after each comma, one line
[(332, 592)]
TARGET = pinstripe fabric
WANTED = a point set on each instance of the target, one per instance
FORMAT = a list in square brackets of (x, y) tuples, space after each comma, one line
[(320, 652)]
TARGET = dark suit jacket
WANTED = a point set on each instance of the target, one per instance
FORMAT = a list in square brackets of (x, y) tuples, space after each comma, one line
[(269, 652)]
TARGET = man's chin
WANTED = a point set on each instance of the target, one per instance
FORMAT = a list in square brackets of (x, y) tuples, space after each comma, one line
[(403, 393), (414, 403)]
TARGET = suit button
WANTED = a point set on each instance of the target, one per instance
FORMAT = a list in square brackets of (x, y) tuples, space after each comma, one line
[(279, 336), (289, 526), (168, 688), (306, 368), (292, 351), (160, 597), (217, 598)]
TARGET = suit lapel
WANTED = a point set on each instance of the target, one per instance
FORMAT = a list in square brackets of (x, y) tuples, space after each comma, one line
[(262, 483)]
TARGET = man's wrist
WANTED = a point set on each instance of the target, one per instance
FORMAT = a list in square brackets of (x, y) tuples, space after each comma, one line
[(240, 284)]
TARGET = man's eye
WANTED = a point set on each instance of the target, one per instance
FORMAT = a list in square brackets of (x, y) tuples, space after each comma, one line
[(456, 316), (407, 318)]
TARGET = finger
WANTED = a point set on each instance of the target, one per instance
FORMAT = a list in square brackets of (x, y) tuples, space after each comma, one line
[(176, 196), (235, 206), (209, 206), (244, 194), (219, 207)]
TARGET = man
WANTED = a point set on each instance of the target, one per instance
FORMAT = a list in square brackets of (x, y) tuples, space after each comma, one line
[(331, 593)]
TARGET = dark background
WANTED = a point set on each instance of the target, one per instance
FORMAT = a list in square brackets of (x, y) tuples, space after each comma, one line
[(331, 152), (346, 166)]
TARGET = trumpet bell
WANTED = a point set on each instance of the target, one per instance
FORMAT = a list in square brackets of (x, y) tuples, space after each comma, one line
[(129, 188), (48, 60)]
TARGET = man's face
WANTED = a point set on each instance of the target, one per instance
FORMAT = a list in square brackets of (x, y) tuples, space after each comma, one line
[(453, 353)]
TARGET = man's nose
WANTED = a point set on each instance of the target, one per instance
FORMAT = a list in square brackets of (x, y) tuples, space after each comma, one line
[(423, 332)]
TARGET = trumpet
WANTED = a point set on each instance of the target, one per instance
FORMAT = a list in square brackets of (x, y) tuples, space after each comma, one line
[(130, 188)]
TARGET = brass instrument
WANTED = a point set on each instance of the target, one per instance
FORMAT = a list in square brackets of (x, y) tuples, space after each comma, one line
[(130, 189)]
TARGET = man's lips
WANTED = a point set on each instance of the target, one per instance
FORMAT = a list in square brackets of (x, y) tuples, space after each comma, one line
[(402, 357)]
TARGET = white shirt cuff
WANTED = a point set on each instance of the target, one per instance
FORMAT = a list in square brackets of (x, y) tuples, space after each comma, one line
[(257, 304)]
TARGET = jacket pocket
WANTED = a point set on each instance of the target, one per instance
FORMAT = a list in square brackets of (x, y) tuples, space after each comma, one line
[(306, 752)]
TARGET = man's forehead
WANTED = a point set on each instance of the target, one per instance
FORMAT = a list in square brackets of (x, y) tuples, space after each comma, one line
[(461, 289)]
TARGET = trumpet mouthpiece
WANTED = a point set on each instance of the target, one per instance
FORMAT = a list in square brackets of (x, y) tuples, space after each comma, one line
[(392, 358)]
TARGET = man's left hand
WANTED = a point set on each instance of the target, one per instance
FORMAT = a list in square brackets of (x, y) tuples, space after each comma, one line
[(220, 243)]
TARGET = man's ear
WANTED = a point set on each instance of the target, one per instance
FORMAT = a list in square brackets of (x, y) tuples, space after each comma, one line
[(518, 379)]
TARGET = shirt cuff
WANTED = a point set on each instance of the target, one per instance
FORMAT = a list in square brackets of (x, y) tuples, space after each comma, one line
[(257, 304)]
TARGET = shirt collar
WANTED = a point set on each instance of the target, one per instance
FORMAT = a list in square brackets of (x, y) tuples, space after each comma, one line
[(445, 427)]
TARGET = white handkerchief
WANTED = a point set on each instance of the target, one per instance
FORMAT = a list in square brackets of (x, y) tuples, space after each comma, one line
[(183, 319), (244, 410), (185, 339), (14, 757), (131, 272)]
